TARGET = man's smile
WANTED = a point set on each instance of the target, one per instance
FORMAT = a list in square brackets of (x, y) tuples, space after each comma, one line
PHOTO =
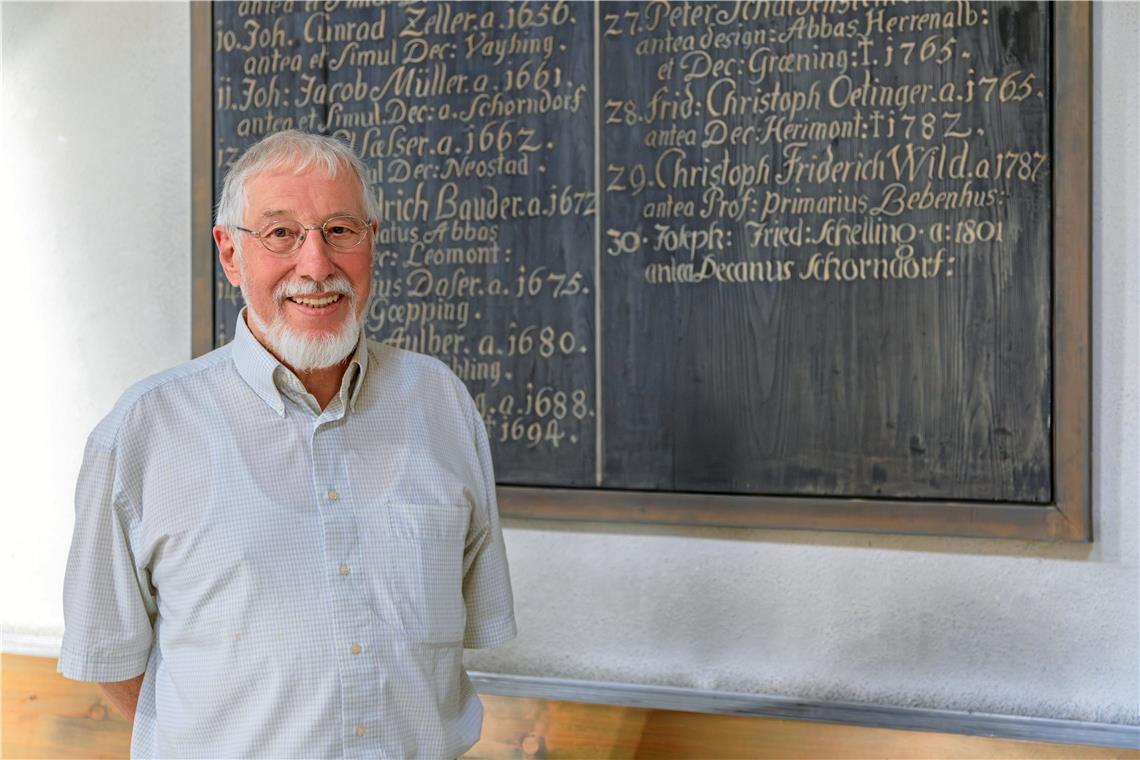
[(318, 304)]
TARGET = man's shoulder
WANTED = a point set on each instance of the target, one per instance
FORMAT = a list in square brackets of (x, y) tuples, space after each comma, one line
[(414, 371), (175, 380), (390, 359)]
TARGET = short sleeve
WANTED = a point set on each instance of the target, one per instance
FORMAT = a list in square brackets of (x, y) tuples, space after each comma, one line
[(108, 605), (486, 577)]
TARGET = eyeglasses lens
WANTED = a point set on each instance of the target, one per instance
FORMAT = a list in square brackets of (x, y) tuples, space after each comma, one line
[(344, 232), (281, 236), (284, 236)]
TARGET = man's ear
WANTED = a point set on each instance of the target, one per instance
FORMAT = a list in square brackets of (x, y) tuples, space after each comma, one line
[(226, 251)]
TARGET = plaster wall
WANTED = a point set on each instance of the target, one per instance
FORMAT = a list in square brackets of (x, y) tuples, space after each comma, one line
[(96, 135), (95, 173)]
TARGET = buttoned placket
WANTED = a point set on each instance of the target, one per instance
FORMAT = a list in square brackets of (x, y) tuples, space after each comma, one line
[(349, 611)]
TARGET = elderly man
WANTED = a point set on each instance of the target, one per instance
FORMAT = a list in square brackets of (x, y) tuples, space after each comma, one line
[(282, 547)]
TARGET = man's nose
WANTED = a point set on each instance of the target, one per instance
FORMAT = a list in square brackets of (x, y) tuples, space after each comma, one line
[(314, 257)]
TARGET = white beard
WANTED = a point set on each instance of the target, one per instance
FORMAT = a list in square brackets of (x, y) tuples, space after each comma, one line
[(306, 353)]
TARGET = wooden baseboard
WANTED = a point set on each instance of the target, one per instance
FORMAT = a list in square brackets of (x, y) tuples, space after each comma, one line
[(45, 715)]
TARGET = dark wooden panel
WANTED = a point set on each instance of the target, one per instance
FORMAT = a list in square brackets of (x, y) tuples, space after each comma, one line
[(474, 120), (766, 378), (798, 402)]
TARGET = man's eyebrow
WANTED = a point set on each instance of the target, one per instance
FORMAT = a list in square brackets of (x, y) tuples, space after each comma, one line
[(277, 212)]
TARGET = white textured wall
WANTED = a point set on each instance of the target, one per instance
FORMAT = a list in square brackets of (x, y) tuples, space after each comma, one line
[(94, 130), (95, 240)]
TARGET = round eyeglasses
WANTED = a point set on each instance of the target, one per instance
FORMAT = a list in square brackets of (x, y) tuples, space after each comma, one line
[(282, 237)]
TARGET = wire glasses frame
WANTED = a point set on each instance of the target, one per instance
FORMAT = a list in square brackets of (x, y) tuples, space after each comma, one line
[(283, 237)]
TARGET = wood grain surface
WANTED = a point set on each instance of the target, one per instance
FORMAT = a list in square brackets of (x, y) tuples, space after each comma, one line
[(45, 715)]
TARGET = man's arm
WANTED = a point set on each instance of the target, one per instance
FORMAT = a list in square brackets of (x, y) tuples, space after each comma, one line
[(124, 695), (108, 601)]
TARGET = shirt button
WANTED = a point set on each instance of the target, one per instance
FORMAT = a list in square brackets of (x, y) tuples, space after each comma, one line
[(360, 730), (356, 649), (344, 569), (333, 495)]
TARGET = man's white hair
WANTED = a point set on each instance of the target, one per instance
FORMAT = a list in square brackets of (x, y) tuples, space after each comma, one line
[(290, 149)]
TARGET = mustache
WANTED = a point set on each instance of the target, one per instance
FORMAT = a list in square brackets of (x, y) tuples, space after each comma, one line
[(332, 284)]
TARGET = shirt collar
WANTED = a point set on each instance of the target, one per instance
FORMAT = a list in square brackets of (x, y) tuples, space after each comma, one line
[(258, 368), (356, 370), (256, 365)]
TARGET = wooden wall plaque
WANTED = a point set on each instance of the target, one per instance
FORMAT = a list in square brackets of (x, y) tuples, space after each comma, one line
[(812, 265)]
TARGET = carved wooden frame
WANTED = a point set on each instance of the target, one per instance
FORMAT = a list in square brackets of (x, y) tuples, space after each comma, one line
[(1067, 518)]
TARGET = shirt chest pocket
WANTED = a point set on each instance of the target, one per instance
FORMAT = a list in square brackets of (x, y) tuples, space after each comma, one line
[(414, 568)]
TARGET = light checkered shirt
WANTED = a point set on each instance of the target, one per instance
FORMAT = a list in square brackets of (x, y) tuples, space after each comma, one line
[(294, 583)]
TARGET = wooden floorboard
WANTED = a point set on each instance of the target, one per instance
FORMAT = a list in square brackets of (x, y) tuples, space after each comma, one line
[(46, 716)]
